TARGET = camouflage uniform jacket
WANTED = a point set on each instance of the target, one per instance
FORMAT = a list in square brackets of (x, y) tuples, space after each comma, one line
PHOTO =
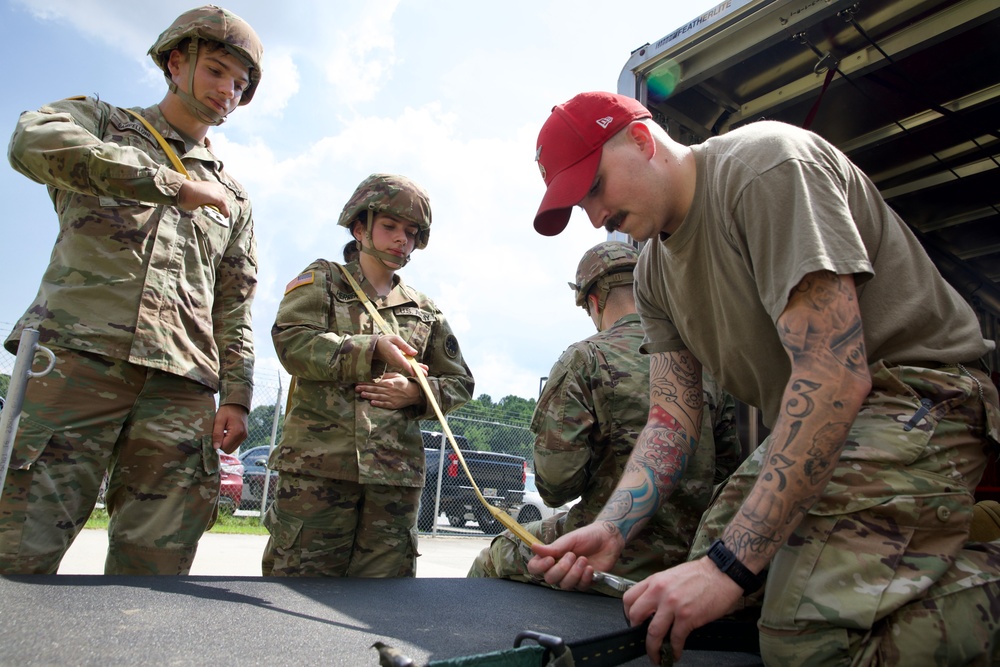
[(591, 411), (132, 276), (325, 338)]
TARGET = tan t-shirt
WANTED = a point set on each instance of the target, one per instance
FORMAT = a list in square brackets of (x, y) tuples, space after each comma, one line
[(773, 203)]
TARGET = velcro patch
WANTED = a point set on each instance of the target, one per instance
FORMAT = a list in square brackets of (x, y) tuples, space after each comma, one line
[(451, 346), (306, 278), (132, 126)]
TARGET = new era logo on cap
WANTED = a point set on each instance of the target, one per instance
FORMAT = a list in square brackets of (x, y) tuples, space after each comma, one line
[(572, 139)]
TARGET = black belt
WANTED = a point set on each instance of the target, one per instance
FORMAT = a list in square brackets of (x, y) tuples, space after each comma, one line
[(734, 634)]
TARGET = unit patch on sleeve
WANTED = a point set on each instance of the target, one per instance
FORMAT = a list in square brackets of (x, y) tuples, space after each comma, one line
[(306, 278), (451, 346)]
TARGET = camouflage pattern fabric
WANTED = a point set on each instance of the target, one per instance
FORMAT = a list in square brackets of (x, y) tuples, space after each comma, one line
[(151, 427), (326, 339), (880, 571), (212, 23), (333, 528), (125, 252), (395, 195), (592, 409)]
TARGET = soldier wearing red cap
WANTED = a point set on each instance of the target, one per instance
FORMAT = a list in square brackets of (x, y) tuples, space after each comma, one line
[(773, 262), (146, 304)]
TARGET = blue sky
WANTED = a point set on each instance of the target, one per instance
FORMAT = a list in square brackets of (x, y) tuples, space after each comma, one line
[(450, 93)]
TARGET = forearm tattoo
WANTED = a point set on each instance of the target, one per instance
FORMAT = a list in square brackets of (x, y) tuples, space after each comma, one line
[(656, 466), (821, 329)]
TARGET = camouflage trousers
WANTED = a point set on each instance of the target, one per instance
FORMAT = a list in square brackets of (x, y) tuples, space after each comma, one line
[(507, 557), (880, 571), (335, 528), (149, 429)]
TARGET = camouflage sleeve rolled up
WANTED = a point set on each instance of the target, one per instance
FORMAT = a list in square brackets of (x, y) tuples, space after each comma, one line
[(59, 146)]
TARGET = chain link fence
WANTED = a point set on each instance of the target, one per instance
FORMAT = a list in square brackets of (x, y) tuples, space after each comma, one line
[(496, 447)]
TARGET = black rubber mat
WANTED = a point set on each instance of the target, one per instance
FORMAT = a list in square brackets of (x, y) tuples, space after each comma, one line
[(97, 620)]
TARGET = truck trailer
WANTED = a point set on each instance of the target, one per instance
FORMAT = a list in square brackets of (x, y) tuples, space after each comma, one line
[(908, 89)]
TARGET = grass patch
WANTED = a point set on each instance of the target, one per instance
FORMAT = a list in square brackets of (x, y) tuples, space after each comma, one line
[(242, 525), (226, 523), (98, 519)]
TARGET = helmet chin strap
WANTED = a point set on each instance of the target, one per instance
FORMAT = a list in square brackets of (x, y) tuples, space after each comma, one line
[(382, 257), (205, 113)]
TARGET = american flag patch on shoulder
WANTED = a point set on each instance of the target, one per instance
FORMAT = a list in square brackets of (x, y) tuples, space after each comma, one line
[(306, 278)]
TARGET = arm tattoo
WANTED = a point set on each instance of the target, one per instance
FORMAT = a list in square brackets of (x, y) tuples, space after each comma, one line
[(676, 379), (822, 331), (658, 463)]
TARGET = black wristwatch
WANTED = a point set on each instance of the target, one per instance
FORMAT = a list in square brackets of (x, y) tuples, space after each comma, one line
[(727, 561)]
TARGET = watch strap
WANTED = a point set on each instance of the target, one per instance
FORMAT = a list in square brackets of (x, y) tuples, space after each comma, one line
[(728, 563)]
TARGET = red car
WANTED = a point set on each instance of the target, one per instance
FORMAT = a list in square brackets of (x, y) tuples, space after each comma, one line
[(231, 492)]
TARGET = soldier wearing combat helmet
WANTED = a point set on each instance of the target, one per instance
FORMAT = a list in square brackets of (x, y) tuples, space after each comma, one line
[(587, 420), (137, 370), (351, 457), (214, 27), (392, 195)]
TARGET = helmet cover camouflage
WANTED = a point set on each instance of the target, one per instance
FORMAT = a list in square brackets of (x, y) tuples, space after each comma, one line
[(609, 263), (395, 195), (213, 24)]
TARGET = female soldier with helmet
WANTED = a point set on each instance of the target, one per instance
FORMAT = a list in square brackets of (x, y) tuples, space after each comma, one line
[(351, 457)]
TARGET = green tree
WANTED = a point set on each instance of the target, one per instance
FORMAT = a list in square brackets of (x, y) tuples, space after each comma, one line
[(494, 427)]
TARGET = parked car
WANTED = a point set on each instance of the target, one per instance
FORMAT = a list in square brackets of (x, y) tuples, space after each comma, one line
[(231, 491), (534, 508), (255, 469), (500, 478)]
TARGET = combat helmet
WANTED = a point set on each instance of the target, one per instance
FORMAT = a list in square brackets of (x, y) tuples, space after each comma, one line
[(214, 24), (394, 195), (606, 265)]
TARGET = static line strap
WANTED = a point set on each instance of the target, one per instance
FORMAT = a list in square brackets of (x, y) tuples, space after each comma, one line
[(213, 212), (507, 520), (171, 154)]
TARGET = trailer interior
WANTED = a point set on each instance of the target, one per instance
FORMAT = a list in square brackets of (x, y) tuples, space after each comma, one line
[(908, 89)]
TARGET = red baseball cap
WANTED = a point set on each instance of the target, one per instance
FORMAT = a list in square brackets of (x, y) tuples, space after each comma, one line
[(568, 151)]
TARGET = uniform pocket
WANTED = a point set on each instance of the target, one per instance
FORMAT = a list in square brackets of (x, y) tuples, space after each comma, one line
[(827, 579), (209, 456), (284, 529), (211, 236), (29, 444)]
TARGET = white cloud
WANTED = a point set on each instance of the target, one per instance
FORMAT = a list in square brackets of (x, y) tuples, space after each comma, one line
[(448, 92)]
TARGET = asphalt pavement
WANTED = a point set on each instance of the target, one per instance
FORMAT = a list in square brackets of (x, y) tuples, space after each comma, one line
[(221, 554)]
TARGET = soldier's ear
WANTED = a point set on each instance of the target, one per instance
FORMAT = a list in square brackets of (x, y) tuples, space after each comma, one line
[(592, 302)]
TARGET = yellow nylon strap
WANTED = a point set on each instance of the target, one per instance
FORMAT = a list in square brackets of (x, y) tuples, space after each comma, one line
[(507, 520), (174, 160), (178, 165)]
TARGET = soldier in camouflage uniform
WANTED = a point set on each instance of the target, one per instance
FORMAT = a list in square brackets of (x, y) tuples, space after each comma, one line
[(351, 458), (146, 305), (774, 261), (588, 417)]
